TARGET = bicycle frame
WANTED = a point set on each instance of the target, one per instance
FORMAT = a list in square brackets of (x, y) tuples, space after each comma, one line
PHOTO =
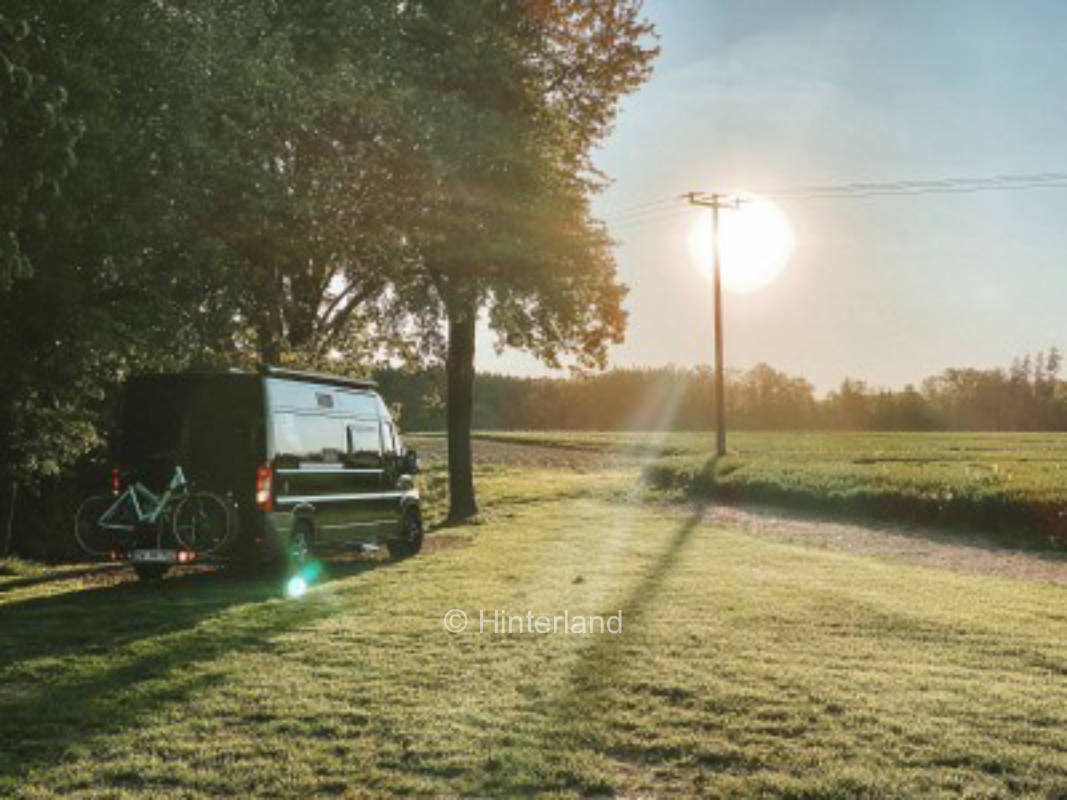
[(153, 503)]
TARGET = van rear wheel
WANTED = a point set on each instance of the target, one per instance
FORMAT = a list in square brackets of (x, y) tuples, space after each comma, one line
[(409, 542)]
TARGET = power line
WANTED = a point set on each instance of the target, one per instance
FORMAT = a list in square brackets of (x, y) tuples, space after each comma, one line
[(665, 209), (639, 210), (1032, 180), (637, 207), (858, 189), (664, 215), (889, 191)]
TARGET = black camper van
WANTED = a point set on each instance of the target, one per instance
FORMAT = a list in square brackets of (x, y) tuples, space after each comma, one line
[(305, 462)]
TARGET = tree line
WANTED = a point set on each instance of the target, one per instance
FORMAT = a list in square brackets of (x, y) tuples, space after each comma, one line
[(194, 183), (1029, 395)]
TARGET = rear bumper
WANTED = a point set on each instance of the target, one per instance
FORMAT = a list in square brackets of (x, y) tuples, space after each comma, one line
[(163, 555)]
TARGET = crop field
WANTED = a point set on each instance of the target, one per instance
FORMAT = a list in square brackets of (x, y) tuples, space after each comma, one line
[(749, 660), (1014, 484)]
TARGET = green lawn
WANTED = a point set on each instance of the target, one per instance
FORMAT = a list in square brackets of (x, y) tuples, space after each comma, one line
[(745, 667)]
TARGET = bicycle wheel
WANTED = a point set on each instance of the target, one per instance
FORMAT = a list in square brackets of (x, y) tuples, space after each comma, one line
[(202, 522), (98, 535)]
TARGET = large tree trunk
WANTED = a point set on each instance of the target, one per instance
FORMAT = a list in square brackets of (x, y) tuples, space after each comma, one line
[(462, 319)]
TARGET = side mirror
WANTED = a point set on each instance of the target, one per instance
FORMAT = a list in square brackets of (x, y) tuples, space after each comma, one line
[(410, 463)]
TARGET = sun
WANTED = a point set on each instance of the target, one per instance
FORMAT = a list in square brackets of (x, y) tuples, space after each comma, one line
[(755, 242)]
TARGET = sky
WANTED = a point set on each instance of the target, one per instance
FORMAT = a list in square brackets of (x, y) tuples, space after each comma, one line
[(759, 95)]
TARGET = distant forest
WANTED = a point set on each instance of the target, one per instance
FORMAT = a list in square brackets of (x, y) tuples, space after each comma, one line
[(1027, 396)]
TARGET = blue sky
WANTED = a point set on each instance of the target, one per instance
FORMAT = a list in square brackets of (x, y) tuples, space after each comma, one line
[(750, 95)]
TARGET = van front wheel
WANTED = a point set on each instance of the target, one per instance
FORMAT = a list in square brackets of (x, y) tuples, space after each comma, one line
[(409, 542)]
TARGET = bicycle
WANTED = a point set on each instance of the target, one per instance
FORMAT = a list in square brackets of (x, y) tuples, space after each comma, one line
[(200, 521)]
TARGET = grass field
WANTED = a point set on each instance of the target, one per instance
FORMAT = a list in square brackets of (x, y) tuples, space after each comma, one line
[(1013, 483), (745, 666)]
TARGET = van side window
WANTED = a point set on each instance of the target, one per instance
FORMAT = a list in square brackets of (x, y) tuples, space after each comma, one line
[(286, 439), (364, 445), (308, 437)]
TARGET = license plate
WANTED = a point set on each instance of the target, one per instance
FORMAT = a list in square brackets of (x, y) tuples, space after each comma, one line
[(154, 556)]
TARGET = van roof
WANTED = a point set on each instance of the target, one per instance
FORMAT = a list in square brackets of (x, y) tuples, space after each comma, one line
[(264, 370), (272, 371)]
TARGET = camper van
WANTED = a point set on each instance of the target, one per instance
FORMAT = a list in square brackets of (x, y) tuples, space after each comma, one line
[(305, 462)]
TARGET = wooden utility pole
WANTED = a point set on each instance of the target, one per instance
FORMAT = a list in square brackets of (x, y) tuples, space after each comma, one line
[(715, 201)]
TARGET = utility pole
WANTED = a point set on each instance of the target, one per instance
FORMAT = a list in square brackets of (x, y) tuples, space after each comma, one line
[(715, 201)]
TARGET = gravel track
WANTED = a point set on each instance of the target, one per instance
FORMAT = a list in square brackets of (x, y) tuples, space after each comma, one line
[(960, 552)]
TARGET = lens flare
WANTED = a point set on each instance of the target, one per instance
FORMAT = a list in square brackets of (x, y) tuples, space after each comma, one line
[(310, 571), (296, 587)]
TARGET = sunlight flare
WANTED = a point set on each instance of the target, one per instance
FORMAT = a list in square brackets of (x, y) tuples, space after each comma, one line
[(756, 241)]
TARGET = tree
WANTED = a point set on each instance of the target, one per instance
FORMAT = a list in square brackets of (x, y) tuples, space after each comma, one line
[(848, 407), (767, 399), (294, 175), (508, 101), (128, 273)]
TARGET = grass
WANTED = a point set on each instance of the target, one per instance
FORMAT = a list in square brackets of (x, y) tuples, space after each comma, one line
[(1014, 483), (745, 667)]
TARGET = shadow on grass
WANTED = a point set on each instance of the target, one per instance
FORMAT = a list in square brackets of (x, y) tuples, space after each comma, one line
[(588, 696), (63, 574), (141, 646), (102, 617)]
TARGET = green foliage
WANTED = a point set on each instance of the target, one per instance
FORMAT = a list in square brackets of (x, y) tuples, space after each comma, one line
[(118, 283), (503, 131), (38, 136), (290, 174)]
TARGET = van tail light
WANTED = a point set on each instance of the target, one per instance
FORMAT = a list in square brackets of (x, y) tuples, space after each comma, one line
[(114, 480), (264, 479)]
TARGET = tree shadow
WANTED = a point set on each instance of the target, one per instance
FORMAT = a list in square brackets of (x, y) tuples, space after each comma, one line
[(595, 669), (102, 617), (119, 685), (10, 584)]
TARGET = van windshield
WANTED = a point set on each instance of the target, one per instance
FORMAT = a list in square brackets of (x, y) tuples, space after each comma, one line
[(207, 424)]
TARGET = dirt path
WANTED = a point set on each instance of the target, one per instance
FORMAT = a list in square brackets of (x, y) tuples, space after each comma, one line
[(961, 552)]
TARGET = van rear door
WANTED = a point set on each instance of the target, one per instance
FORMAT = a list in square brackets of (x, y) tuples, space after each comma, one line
[(210, 424)]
